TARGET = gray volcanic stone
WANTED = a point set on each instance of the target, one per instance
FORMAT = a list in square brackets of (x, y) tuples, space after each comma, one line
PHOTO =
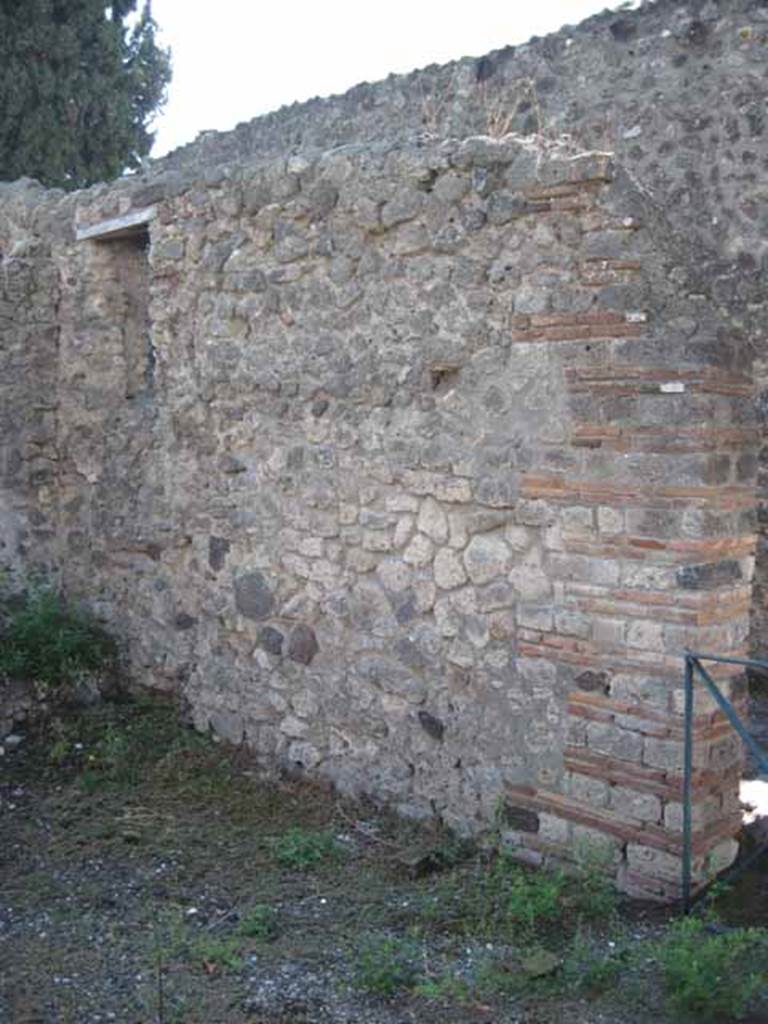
[(253, 596), (218, 549), (302, 644), (431, 725), (271, 640)]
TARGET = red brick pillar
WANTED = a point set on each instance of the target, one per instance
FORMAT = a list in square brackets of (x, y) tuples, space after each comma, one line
[(648, 536)]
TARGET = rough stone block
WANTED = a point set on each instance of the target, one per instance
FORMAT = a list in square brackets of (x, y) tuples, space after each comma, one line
[(228, 725), (578, 519), (361, 561), (453, 490), (661, 753), (653, 863), (572, 623), (253, 595), (394, 575), (628, 803), (537, 672), (584, 569), (432, 521), (553, 829), (403, 531), (377, 540), (448, 569), (534, 512), (610, 520), (419, 552), (271, 640), (500, 491), (531, 583), (636, 687), (649, 636), (588, 790), (486, 558), (608, 633), (533, 616), (605, 738)]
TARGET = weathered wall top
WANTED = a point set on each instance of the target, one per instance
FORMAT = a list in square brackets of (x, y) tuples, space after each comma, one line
[(676, 88)]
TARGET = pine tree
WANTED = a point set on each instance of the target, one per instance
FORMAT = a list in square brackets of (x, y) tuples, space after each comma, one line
[(78, 89)]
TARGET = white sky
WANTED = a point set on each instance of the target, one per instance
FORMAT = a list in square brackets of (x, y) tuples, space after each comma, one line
[(234, 59)]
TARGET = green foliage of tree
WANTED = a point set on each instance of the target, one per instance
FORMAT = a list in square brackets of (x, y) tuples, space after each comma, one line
[(79, 83)]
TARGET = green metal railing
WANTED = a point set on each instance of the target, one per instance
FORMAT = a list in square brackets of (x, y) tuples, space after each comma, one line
[(694, 667)]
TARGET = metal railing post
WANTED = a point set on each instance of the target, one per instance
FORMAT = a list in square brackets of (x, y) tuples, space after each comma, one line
[(687, 782)]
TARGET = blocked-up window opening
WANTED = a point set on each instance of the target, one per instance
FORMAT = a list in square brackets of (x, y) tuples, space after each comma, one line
[(129, 295)]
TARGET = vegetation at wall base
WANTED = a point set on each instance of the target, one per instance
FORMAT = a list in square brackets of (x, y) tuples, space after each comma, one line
[(49, 642)]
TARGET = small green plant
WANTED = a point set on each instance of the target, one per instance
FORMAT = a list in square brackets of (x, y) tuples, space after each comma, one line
[(443, 988), (259, 923), (514, 898), (713, 975), (301, 849), (49, 642), (450, 852), (217, 952), (387, 965), (593, 893), (717, 891), (496, 977), (589, 967)]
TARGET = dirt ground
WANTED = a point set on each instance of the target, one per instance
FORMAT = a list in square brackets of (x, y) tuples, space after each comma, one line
[(149, 876)]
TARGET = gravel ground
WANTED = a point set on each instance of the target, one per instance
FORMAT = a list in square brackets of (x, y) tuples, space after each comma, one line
[(150, 877)]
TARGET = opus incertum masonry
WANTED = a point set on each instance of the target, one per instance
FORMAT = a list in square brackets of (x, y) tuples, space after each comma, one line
[(411, 435)]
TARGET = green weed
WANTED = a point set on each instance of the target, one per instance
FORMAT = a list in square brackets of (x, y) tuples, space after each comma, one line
[(385, 966), (592, 892), (513, 898), (47, 641), (713, 976), (259, 923), (174, 939), (496, 977), (443, 988), (301, 849), (217, 952), (589, 967)]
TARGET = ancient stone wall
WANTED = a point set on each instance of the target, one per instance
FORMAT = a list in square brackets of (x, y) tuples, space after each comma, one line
[(676, 89), (415, 468)]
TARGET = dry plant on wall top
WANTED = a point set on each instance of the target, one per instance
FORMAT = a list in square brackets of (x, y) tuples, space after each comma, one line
[(501, 108)]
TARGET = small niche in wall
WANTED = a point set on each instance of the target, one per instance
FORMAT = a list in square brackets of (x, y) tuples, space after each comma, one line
[(121, 248), (443, 379)]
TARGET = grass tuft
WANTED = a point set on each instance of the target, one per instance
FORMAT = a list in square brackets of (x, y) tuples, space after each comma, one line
[(386, 965), (301, 849)]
